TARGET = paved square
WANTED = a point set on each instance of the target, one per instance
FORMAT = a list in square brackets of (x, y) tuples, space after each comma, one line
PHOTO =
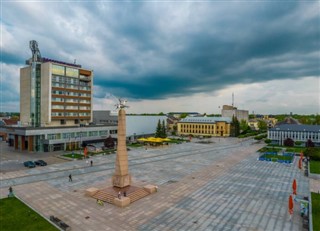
[(215, 186)]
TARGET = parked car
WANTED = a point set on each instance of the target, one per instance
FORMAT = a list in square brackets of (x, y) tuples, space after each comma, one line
[(40, 162), (29, 164)]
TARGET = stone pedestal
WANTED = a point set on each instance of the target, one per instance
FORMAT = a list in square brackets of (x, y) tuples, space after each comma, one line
[(124, 201), (150, 188), (91, 191), (121, 181)]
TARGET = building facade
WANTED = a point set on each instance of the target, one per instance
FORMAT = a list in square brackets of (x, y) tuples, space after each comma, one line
[(230, 111), (204, 126), (55, 93), (55, 107), (296, 132)]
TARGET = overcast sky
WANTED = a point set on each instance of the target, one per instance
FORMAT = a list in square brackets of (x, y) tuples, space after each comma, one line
[(174, 56)]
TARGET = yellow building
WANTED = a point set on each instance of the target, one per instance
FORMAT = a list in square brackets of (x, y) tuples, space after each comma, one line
[(204, 126)]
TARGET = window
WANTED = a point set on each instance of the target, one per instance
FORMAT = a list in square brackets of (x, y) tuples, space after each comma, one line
[(72, 72), (56, 69)]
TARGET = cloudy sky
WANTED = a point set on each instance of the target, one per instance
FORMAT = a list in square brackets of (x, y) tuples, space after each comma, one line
[(174, 56)]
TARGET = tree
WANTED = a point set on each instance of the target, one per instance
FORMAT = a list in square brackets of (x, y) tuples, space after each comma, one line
[(109, 142), (183, 115), (268, 141), (163, 130), (262, 125), (288, 142), (244, 127), (297, 143), (158, 129), (235, 127), (309, 144)]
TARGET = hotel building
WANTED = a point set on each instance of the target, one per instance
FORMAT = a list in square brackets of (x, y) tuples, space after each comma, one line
[(55, 106)]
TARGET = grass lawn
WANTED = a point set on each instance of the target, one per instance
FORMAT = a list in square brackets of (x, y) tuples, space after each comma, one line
[(315, 167), (15, 215), (271, 156), (315, 210)]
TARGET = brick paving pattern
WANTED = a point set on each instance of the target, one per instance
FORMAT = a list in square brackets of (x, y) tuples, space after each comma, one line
[(216, 186)]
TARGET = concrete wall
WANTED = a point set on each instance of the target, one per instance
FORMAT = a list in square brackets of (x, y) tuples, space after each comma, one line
[(25, 94)]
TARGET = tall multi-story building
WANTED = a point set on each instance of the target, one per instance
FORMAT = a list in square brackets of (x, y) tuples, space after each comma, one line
[(55, 107), (230, 111), (55, 93)]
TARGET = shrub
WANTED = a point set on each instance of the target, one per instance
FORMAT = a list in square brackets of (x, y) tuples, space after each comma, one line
[(268, 141), (288, 142), (313, 153)]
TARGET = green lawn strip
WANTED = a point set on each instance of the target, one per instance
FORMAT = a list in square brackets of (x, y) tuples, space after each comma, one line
[(270, 156), (315, 200), (315, 166), (15, 215)]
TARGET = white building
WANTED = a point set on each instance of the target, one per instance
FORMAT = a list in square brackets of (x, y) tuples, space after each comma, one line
[(296, 132)]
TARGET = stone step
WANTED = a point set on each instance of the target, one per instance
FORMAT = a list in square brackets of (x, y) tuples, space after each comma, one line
[(138, 194), (104, 196)]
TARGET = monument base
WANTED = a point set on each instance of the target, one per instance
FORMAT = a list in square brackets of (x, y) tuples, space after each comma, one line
[(123, 202), (121, 181)]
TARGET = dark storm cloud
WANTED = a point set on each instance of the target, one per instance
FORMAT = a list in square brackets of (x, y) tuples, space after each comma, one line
[(154, 50)]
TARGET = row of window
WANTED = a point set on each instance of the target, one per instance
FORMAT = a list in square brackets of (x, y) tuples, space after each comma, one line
[(62, 70), (77, 136), (195, 126), (70, 86), (70, 114), (56, 99), (70, 93), (200, 131), (68, 80), (294, 135), (70, 107)]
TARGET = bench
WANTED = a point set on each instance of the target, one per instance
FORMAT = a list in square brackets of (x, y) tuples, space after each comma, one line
[(60, 223)]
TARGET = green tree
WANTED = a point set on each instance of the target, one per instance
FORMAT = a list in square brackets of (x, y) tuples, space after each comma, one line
[(163, 130), (268, 141), (244, 127), (183, 115), (235, 127), (262, 125), (158, 129)]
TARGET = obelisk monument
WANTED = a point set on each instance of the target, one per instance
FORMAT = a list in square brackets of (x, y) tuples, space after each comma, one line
[(121, 177)]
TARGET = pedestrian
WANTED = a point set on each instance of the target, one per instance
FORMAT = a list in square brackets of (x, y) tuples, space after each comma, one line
[(10, 192), (87, 162), (70, 178), (119, 195), (91, 163)]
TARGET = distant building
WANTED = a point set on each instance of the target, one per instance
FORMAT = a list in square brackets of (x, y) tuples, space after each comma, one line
[(178, 114), (230, 111), (204, 126), (288, 120), (142, 125), (296, 132), (105, 117)]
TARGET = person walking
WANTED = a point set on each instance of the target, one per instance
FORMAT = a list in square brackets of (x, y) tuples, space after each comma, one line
[(91, 163), (119, 195), (70, 178)]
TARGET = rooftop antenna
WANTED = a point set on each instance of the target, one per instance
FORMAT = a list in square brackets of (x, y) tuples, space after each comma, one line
[(36, 55), (232, 99), (75, 61)]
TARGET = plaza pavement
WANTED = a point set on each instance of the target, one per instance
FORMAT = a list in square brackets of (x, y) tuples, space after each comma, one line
[(215, 186)]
